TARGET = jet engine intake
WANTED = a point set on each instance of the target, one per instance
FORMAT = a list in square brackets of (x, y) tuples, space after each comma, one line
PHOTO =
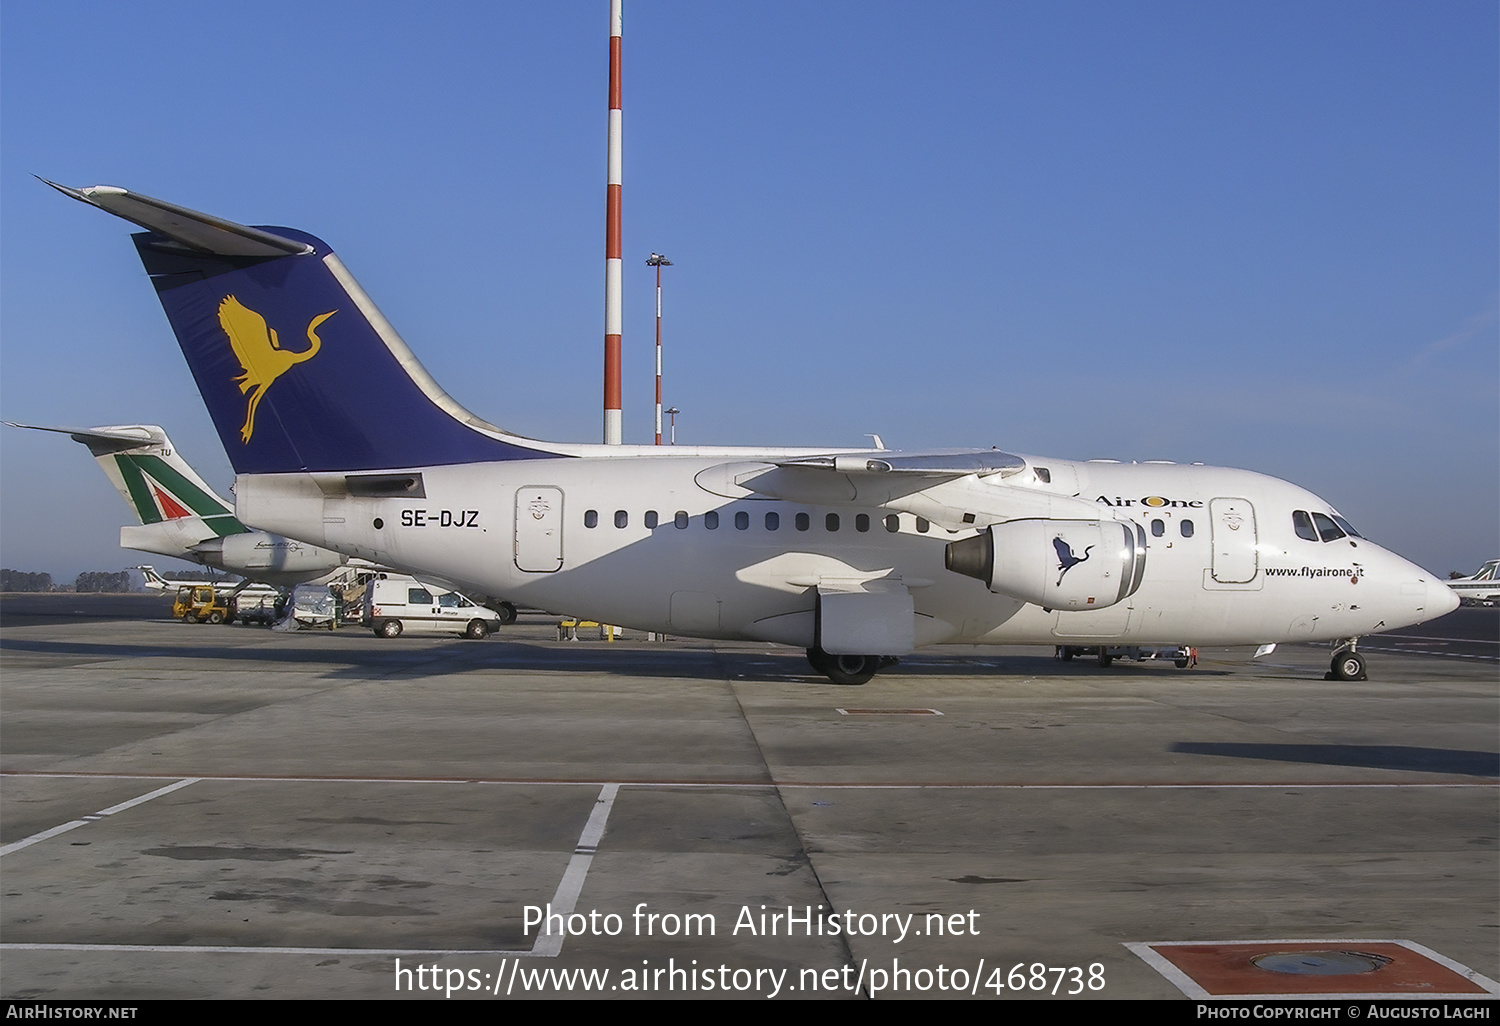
[(1057, 564)]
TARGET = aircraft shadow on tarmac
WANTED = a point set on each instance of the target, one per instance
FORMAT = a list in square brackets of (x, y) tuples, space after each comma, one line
[(1393, 757), (386, 658)]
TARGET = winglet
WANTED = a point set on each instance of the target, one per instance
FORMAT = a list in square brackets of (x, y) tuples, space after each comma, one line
[(202, 232)]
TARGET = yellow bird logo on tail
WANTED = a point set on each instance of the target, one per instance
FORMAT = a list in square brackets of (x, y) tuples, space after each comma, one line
[(260, 354)]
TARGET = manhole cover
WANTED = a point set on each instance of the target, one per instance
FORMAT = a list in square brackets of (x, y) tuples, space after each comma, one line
[(1320, 963)]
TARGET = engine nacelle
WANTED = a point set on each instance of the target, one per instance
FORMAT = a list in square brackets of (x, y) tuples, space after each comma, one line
[(1057, 564), (258, 551)]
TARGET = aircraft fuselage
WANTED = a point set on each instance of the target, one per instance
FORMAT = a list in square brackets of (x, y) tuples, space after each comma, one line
[(662, 543)]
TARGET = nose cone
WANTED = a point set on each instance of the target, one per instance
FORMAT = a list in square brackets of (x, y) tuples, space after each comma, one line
[(1441, 600), (1423, 597)]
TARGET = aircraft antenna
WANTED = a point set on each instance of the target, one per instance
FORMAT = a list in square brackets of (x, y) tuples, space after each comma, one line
[(613, 263)]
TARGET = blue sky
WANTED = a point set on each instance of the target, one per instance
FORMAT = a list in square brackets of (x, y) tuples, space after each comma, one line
[(1251, 234)]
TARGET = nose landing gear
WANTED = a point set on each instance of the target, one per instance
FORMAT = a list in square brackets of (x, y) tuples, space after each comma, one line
[(1347, 664)]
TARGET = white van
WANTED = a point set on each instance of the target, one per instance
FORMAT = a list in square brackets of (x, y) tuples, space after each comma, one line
[(394, 604)]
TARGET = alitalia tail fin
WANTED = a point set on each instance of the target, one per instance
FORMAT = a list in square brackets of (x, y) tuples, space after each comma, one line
[(157, 484), (299, 370)]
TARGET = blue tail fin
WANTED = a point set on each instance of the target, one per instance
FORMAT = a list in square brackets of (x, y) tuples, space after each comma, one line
[(298, 368)]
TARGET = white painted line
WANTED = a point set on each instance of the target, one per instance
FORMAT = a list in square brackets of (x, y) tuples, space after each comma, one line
[(549, 945), (1175, 976), (546, 946), (27, 842), (207, 949)]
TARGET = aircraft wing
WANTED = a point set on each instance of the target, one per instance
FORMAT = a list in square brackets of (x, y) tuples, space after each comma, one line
[(956, 489), (938, 463)]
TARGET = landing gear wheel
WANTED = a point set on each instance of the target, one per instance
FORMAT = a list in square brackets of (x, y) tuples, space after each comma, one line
[(1348, 666), (507, 613), (1105, 658), (852, 669), (819, 660), (388, 629), (1064, 652), (477, 630), (844, 669)]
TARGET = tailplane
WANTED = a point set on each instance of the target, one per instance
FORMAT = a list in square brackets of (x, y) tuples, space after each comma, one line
[(299, 370)]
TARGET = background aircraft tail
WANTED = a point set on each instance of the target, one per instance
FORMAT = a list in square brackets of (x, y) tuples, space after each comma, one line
[(180, 516), (157, 484), (299, 370)]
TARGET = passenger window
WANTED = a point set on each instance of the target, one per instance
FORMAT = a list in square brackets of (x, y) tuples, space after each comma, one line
[(681, 519), (651, 519), (1158, 528), (862, 522), (773, 521), (591, 518), (1302, 521), (741, 520), (893, 523), (448, 601), (803, 521), (831, 522), (1187, 528), (621, 518), (418, 597), (711, 520), (1327, 529), (922, 526)]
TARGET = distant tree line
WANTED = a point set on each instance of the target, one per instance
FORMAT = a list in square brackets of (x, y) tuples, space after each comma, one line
[(92, 580), (20, 580), (98, 580), (198, 574)]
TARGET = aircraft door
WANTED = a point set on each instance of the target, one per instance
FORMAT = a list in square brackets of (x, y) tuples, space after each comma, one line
[(1233, 528), (539, 522)]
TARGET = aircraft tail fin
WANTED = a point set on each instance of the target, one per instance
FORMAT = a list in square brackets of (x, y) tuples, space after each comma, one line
[(299, 369)]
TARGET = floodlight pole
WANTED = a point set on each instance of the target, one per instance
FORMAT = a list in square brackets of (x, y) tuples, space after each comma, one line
[(658, 261)]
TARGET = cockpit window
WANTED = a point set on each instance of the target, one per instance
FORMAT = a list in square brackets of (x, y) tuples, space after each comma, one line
[(1348, 528), (1327, 529), (1302, 521)]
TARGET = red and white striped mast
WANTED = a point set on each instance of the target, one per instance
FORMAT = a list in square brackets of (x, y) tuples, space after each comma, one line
[(613, 264)]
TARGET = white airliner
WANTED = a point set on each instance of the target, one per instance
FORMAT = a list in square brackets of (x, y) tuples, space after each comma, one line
[(154, 581), (180, 516), (340, 438), (1482, 586)]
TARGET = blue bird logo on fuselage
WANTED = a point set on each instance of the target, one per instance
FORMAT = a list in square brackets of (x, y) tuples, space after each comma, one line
[(1065, 558)]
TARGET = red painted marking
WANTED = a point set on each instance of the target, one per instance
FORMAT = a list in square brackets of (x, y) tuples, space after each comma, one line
[(1226, 970), (169, 506), (614, 73), (612, 223), (612, 372)]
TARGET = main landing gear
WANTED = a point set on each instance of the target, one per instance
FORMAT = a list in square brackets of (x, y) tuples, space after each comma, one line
[(1347, 664), (847, 669)]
